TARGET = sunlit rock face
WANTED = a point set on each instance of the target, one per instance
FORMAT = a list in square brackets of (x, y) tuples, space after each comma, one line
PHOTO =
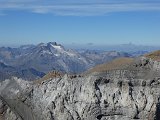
[(120, 94), (97, 98)]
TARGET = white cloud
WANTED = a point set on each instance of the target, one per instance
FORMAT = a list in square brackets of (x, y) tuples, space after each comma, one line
[(79, 8)]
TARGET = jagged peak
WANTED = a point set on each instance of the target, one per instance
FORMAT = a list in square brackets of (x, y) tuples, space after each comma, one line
[(54, 43), (49, 45)]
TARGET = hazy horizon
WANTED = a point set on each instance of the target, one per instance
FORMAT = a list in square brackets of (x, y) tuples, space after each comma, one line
[(77, 44), (130, 47)]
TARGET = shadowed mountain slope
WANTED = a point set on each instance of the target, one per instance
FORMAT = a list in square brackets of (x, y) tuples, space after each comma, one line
[(7, 72)]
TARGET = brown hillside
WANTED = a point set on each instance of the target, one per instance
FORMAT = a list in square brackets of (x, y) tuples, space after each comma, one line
[(115, 64), (154, 55)]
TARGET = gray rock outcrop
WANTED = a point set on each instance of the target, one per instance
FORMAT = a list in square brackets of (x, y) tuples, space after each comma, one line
[(122, 94)]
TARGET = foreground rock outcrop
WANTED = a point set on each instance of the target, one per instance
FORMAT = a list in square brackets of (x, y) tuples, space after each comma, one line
[(125, 93)]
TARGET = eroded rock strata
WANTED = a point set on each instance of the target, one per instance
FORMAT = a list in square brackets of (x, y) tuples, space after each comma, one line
[(127, 93)]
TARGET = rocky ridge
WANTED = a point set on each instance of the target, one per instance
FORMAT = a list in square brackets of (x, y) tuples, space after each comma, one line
[(125, 93)]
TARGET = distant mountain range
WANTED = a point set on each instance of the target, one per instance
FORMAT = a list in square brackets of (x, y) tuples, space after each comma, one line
[(130, 48), (122, 89), (6, 72), (34, 61)]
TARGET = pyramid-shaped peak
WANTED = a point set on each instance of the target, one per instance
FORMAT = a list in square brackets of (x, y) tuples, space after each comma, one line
[(54, 43)]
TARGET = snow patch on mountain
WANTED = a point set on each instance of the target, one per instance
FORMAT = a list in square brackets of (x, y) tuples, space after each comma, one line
[(46, 57), (58, 48), (46, 52)]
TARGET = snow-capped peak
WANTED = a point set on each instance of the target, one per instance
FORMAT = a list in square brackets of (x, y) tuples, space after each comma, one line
[(57, 47)]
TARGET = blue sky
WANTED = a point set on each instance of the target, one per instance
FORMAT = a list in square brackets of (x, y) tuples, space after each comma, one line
[(80, 22)]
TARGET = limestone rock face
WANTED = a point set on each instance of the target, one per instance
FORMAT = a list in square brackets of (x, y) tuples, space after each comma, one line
[(96, 98), (6, 112), (11, 108), (122, 94)]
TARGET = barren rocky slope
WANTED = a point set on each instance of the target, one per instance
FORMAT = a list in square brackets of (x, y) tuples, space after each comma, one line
[(125, 93), (114, 64), (154, 55)]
